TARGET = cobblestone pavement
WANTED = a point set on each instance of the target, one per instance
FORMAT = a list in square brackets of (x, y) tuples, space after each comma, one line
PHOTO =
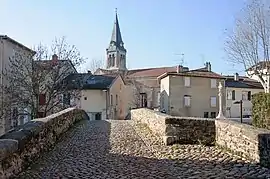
[(124, 149)]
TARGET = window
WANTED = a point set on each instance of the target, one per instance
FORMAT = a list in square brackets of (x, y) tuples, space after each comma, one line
[(244, 95), (85, 98), (143, 100), (229, 94), (187, 81), (249, 95), (158, 98), (111, 100), (42, 99), (187, 100), (40, 114), (205, 115), (213, 115), (233, 94), (213, 83), (116, 99), (66, 99), (213, 101)]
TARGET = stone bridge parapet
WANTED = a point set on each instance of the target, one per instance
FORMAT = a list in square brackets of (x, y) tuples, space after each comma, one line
[(22, 145), (244, 140)]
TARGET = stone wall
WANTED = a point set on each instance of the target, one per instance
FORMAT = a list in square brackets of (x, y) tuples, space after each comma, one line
[(22, 145), (244, 140), (183, 130)]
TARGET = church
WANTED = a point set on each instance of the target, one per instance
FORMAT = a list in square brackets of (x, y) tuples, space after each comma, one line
[(142, 86)]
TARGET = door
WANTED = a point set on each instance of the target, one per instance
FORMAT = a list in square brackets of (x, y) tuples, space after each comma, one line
[(98, 116)]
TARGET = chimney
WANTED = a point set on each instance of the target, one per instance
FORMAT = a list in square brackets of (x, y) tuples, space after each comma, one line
[(236, 77), (54, 57), (179, 68), (208, 66), (89, 72)]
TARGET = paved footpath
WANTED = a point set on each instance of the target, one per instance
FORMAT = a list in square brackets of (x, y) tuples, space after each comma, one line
[(123, 149)]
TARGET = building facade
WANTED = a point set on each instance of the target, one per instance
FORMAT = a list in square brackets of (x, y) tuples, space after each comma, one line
[(16, 61), (240, 88), (101, 96), (52, 72), (192, 93)]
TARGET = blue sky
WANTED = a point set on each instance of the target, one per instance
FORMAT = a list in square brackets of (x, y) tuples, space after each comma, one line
[(154, 31)]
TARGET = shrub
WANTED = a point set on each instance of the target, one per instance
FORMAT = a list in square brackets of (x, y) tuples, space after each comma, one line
[(261, 110)]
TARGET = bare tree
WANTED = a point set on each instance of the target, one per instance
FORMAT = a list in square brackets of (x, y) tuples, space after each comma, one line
[(95, 64), (248, 43), (42, 77), (134, 88)]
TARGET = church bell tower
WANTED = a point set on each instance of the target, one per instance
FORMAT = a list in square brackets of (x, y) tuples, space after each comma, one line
[(116, 52)]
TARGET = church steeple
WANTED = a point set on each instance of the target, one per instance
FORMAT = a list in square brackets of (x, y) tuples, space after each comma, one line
[(116, 33), (116, 52)]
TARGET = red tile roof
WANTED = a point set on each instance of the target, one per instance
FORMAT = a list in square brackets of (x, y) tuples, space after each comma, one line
[(150, 72), (202, 72)]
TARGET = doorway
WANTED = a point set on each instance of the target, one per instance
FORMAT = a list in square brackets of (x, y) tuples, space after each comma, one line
[(98, 116)]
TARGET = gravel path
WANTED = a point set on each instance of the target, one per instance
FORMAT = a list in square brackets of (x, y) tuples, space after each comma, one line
[(124, 149)]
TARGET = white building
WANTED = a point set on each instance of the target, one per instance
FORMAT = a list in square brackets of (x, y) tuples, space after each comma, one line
[(240, 88), (101, 96)]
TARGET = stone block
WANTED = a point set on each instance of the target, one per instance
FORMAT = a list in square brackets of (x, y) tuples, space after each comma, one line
[(7, 147)]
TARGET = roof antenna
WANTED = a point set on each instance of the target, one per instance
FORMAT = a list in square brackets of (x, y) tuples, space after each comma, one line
[(115, 10), (181, 62)]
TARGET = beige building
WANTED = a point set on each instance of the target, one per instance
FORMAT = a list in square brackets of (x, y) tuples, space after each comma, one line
[(190, 92), (12, 52), (142, 85), (101, 96), (240, 88)]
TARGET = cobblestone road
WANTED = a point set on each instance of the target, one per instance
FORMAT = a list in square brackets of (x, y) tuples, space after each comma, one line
[(123, 149)]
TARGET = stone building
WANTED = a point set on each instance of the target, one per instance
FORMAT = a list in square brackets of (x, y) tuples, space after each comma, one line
[(190, 92), (142, 86)]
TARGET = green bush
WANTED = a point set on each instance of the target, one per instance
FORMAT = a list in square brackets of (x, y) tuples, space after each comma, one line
[(261, 110)]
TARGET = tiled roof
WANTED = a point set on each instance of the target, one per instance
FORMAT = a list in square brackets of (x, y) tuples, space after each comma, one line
[(150, 72), (47, 64), (202, 72), (89, 81), (243, 83)]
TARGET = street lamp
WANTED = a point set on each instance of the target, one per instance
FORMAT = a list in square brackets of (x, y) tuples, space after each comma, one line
[(241, 109), (106, 104)]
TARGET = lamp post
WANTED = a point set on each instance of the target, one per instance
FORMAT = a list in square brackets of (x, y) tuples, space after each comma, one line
[(106, 103), (241, 109), (220, 113)]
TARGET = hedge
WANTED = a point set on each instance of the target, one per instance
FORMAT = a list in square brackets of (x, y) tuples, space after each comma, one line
[(261, 110)]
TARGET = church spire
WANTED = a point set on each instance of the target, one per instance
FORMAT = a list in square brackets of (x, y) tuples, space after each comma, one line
[(116, 38), (116, 52)]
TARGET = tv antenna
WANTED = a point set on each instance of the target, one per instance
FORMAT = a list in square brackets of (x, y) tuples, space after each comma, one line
[(182, 60)]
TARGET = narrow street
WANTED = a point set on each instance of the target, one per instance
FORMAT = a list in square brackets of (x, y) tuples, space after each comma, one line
[(123, 149)]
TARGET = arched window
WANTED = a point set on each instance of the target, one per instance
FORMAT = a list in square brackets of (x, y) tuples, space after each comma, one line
[(113, 60)]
